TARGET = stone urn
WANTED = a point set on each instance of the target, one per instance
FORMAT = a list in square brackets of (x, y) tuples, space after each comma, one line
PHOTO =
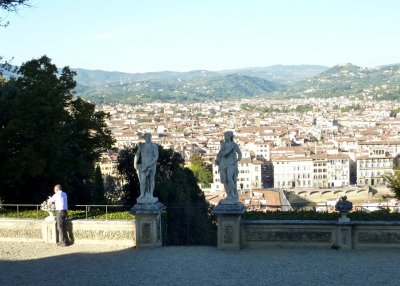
[(52, 215), (50, 209), (343, 206)]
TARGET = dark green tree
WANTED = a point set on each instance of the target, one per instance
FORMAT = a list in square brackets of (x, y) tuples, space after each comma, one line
[(47, 136), (131, 189), (10, 6), (113, 191), (98, 188), (393, 182), (202, 171), (187, 219)]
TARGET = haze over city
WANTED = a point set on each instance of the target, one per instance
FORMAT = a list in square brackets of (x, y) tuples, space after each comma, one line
[(143, 36)]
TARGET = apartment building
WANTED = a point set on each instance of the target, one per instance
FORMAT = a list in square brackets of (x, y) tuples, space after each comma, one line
[(293, 172), (371, 167), (249, 176)]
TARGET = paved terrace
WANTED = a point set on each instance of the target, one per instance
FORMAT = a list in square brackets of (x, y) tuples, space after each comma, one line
[(41, 264)]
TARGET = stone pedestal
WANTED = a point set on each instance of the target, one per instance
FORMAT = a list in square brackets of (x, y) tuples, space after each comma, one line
[(228, 222), (49, 230), (148, 224), (344, 236)]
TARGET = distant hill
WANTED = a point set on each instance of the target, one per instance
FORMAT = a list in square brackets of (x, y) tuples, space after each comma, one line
[(277, 81), (201, 88), (199, 85), (350, 80)]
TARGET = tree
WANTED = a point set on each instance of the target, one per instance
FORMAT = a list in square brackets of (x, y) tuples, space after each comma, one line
[(187, 219), (393, 182), (47, 136), (11, 6), (202, 171), (98, 188), (113, 193)]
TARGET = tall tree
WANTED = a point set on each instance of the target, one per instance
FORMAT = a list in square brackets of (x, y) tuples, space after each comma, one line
[(393, 182), (187, 220), (98, 188), (202, 171), (47, 136)]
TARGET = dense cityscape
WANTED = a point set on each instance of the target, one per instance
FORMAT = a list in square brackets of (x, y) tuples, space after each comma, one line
[(314, 149)]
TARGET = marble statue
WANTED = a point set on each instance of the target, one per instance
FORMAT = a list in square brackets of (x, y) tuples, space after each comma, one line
[(227, 158), (145, 164)]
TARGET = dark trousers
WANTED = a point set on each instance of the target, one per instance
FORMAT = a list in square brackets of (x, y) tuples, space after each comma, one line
[(62, 231)]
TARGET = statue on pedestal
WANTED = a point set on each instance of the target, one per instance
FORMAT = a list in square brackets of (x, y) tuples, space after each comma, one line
[(227, 158), (145, 164)]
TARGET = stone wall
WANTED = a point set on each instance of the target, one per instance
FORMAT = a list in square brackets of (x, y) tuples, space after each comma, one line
[(29, 230), (116, 232), (353, 235)]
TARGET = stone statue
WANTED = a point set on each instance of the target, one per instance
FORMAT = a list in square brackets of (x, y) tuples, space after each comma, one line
[(227, 158), (145, 164)]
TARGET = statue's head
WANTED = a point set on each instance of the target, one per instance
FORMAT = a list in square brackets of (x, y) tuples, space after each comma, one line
[(228, 136), (147, 137)]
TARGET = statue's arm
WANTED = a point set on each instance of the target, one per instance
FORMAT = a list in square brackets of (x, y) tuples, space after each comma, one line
[(155, 155), (239, 153), (136, 159), (228, 150)]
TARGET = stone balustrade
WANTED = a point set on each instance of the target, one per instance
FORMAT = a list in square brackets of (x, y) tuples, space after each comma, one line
[(116, 232)]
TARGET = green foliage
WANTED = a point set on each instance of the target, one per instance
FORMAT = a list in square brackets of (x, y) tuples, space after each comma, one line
[(113, 193), (294, 215), (10, 6), (98, 188), (393, 182), (383, 215), (178, 88), (304, 108), (393, 113), (187, 219), (93, 213), (47, 136), (352, 107), (201, 170)]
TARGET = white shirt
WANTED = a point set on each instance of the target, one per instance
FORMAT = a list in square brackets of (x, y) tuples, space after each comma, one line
[(60, 200)]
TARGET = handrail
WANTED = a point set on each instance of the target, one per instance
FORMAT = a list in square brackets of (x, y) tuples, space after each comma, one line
[(312, 206), (25, 207)]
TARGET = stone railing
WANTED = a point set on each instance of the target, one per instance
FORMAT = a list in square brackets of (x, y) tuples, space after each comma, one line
[(330, 234), (116, 232)]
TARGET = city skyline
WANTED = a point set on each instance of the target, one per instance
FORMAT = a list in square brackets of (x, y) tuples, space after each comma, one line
[(137, 36)]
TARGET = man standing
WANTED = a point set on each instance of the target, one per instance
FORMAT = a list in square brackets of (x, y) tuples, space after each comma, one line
[(60, 200), (145, 164)]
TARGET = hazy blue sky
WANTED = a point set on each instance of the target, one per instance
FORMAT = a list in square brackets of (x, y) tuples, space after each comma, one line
[(151, 35)]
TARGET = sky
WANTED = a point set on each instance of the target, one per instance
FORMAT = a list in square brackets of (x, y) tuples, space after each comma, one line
[(183, 35)]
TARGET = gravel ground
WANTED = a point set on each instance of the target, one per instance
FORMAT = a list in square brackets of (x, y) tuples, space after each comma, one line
[(41, 264)]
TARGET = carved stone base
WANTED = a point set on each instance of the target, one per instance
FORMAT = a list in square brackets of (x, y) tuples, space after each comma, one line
[(343, 219), (146, 201), (49, 230), (345, 236), (228, 222), (148, 224)]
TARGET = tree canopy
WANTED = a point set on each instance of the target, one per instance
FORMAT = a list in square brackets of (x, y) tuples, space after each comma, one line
[(393, 182), (10, 6), (187, 219), (47, 136), (202, 171)]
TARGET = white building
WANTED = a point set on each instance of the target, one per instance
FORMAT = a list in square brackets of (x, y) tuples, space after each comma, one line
[(249, 176), (372, 167), (293, 172)]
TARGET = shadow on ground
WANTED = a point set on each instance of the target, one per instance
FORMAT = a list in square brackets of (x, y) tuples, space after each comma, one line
[(200, 266)]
